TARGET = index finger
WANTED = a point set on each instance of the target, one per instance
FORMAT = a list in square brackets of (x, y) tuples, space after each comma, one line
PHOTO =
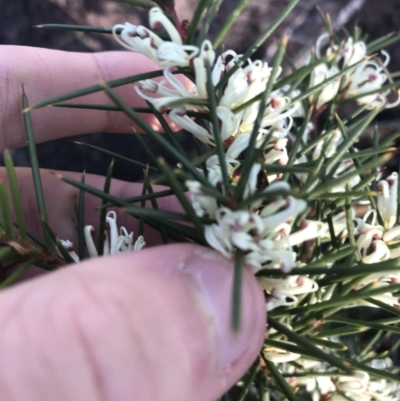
[(45, 73)]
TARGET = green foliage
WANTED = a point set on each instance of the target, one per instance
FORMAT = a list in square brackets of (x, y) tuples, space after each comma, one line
[(330, 177)]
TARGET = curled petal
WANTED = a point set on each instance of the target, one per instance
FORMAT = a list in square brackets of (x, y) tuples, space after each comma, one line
[(157, 17), (179, 117), (201, 77), (111, 220), (207, 52), (89, 241), (171, 54), (292, 209), (387, 199), (251, 185), (68, 245), (203, 204), (311, 229), (179, 89), (280, 186), (139, 243), (280, 356), (391, 234), (217, 239), (380, 252), (229, 122)]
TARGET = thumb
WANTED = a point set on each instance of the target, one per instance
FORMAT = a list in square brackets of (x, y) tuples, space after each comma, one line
[(149, 325)]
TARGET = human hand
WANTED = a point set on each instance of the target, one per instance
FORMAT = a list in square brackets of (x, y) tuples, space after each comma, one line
[(147, 325)]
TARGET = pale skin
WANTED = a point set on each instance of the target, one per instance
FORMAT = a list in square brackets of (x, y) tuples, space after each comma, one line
[(150, 325)]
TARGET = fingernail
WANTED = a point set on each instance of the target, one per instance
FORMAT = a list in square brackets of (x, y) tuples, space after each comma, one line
[(213, 275)]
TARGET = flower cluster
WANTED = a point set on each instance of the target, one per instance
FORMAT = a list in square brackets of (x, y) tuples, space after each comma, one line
[(363, 82), (271, 227), (359, 386), (117, 241)]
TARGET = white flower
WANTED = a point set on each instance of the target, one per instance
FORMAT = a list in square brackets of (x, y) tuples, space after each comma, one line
[(279, 356), (204, 205), (368, 76), (358, 387), (265, 236), (387, 200), (238, 146), (179, 117), (115, 242), (318, 386), (320, 74), (351, 53), (162, 94), (281, 211), (284, 291), (240, 229), (333, 141), (278, 153), (142, 40), (69, 246), (276, 114), (207, 55), (246, 83), (374, 240)]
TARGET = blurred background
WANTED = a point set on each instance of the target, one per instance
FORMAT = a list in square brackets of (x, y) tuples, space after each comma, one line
[(18, 18)]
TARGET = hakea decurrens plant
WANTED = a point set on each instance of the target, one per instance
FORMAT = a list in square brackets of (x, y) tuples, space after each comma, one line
[(264, 231), (278, 185), (271, 223)]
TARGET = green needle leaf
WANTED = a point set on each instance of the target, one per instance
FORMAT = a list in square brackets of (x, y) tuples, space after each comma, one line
[(216, 131), (284, 386), (96, 88), (346, 177), (16, 195), (348, 140), (382, 42), (104, 107), (135, 211), (18, 273), (214, 8), (237, 291), (262, 38), (5, 211), (147, 185), (249, 381), (307, 344), (340, 331), (137, 3), (103, 209), (199, 13), (63, 252), (37, 181), (230, 21), (248, 162), (81, 221), (343, 300), (116, 156), (156, 136), (179, 192), (380, 374), (76, 28), (8, 254), (382, 324)]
